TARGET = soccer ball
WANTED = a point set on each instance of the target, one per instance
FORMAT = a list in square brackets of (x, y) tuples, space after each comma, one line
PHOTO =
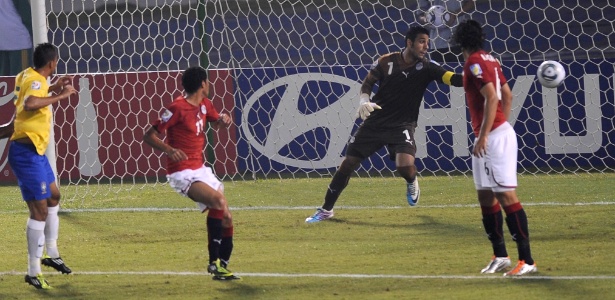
[(551, 74), (437, 15)]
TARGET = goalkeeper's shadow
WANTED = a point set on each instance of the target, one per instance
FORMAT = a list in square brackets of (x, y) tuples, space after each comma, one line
[(368, 224), (425, 223)]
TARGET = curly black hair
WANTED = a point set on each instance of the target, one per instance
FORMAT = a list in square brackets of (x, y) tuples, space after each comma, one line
[(192, 79), (43, 54), (469, 35)]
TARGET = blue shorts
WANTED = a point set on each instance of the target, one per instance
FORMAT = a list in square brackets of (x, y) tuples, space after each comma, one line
[(33, 172)]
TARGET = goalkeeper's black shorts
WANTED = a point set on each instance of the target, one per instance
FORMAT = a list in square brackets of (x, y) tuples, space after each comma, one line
[(368, 140)]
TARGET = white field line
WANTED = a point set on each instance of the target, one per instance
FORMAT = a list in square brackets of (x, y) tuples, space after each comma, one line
[(163, 209), (357, 276), (365, 276)]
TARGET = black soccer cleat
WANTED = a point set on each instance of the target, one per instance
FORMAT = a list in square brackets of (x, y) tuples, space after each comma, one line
[(38, 282), (226, 277), (220, 272), (56, 263)]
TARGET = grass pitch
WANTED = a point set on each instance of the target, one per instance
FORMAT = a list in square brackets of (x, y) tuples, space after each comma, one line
[(149, 243)]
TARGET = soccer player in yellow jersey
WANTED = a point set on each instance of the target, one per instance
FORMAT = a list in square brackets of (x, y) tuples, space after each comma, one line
[(31, 129)]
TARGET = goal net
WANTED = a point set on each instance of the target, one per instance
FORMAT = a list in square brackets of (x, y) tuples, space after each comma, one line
[(289, 73)]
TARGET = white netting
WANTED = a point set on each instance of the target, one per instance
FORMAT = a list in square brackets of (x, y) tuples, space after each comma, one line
[(289, 71)]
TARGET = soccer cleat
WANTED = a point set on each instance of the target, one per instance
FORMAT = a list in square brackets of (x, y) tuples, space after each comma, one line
[(413, 192), (320, 215), (220, 272), (38, 282), (226, 277), (521, 269), (56, 263), (496, 264)]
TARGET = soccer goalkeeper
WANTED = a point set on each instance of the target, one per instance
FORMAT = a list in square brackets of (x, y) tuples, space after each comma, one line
[(390, 118)]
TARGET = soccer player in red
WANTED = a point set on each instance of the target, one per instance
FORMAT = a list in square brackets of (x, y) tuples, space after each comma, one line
[(494, 157), (183, 121), (390, 118)]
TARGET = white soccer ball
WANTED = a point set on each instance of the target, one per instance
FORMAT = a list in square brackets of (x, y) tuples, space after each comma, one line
[(437, 15), (551, 74)]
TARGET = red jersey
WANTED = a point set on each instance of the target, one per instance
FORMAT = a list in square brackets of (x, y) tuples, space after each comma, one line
[(479, 69), (184, 124)]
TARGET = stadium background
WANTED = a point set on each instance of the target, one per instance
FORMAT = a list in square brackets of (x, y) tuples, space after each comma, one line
[(521, 33)]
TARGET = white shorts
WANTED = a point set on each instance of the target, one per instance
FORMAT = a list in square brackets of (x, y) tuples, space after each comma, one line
[(182, 180), (497, 170)]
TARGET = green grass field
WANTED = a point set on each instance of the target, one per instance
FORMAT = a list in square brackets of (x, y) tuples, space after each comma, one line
[(376, 247)]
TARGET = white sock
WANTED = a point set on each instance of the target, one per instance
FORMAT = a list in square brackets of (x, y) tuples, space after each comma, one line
[(35, 234), (52, 227)]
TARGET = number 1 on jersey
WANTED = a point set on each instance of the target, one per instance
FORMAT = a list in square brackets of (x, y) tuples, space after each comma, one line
[(407, 133), (199, 126)]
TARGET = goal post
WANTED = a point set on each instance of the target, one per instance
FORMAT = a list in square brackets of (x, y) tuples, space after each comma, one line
[(289, 74), (39, 36)]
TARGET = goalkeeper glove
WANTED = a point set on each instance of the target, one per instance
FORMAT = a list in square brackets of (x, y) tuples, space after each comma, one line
[(366, 107)]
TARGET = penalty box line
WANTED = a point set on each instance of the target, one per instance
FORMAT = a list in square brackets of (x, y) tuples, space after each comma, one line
[(354, 276)]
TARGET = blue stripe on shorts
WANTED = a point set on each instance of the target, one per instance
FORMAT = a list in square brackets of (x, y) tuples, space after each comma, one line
[(33, 172)]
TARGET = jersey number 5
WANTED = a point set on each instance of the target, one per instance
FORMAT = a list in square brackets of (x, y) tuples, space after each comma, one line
[(487, 169)]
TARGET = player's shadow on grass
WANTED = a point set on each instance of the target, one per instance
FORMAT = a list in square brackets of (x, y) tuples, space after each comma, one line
[(426, 223), (58, 291), (239, 289)]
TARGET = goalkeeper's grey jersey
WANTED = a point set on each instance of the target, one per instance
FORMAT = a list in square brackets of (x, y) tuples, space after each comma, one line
[(400, 91)]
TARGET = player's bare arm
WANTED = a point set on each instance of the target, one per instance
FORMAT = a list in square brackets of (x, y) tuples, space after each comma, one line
[(224, 121), (151, 138), (33, 103), (506, 100), (491, 106), (365, 106), (61, 83), (368, 83)]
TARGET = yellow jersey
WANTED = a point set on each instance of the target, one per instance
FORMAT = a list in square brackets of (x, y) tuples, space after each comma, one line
[(35, 125)]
